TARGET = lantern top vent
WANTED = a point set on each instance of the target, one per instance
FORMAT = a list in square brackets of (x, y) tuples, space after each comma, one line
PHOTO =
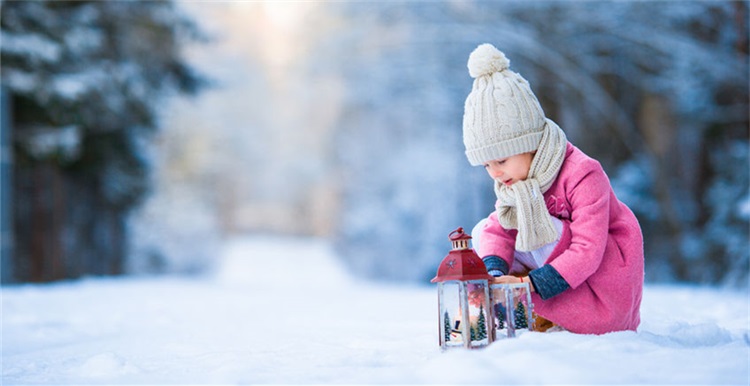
[(462, 263), (459, 239)]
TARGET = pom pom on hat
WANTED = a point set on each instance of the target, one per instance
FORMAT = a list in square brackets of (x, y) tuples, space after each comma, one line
[(485, 60)]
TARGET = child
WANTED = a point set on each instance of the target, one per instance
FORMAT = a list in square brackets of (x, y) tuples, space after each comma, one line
[(557, 224)]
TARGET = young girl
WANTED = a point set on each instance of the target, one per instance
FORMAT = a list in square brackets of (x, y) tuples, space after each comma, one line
[(557, 224)]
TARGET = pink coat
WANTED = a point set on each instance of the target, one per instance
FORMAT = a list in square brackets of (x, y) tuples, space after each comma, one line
[(600, 254)]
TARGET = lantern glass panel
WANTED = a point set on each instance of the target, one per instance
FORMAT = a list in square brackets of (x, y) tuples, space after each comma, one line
[(511, 309), (451, 314), (478, 303)]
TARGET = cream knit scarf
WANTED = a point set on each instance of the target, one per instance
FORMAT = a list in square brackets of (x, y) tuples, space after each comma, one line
[(521, 206)]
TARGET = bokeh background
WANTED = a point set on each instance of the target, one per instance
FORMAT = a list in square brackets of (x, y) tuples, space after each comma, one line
[(138, 136)]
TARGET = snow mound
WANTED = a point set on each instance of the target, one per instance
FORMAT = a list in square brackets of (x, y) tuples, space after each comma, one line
[(103, 365)]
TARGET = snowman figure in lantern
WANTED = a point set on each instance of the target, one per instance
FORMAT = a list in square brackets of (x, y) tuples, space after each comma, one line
[(470, 309)]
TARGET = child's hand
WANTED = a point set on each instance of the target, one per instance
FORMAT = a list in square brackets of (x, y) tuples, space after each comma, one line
[(506, 279)]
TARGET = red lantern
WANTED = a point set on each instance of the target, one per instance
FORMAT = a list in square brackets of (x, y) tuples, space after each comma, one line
[(463, 296), (472, 312)]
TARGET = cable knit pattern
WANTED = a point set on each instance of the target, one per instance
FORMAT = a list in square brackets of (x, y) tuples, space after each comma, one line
[(521, 205), (502, 117)]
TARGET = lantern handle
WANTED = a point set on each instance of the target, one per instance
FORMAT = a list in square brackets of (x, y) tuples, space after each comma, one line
[(460, 231)]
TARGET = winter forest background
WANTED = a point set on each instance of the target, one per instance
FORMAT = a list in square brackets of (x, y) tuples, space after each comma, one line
[(137, 136)]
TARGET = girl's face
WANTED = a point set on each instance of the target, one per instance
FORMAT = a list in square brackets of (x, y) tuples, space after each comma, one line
[(510, 170)]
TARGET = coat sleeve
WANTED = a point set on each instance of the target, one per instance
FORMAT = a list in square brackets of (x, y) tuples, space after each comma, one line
[(588, 191), (497, 241)]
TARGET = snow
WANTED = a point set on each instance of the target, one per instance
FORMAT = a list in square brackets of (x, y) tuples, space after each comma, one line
[(281, 310)]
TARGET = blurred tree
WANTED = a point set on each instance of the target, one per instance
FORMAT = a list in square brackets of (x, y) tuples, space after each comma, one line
[(398, 139), (657, 91), (85, 79)]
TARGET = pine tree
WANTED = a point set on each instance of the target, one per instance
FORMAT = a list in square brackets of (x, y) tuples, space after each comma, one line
[(520, 316), (500, 315), (90, 87), (481, 325), (447, 326)]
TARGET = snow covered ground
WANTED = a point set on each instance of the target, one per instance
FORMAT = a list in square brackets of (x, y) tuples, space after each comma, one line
[(283, 311)]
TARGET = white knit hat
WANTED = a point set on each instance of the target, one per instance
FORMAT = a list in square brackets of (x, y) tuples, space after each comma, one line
[(502, 117)]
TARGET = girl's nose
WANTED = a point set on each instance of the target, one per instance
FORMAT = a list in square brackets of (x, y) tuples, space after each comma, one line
[(494, 171)]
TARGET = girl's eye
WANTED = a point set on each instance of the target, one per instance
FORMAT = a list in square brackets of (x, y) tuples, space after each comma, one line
[(495, 162)]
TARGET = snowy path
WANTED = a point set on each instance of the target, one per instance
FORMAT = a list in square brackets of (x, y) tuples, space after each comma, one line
[(282, 311)]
